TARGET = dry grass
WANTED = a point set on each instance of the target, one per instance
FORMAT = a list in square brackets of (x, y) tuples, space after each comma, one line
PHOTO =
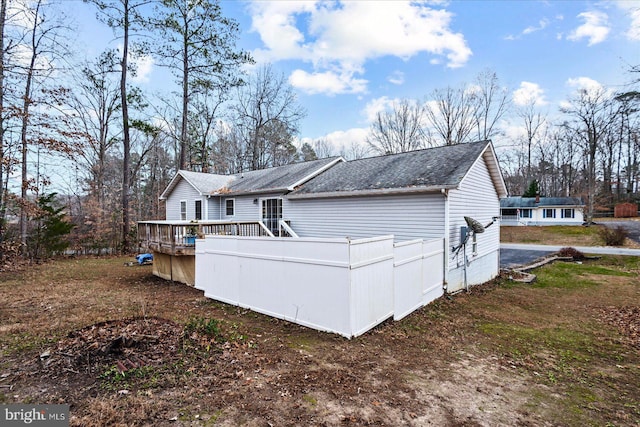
[(557, 235), (553, 353)]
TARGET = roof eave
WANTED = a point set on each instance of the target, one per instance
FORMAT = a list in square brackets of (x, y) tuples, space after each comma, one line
[(373, 192)]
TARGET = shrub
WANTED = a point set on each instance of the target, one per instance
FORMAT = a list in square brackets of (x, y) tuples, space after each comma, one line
[(571, 253), (613, 236)]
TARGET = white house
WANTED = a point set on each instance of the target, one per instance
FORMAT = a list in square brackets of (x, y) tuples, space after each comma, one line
[(423, 194), (541, 211)]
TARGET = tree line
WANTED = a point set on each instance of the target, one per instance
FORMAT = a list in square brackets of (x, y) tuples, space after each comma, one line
[(115, 146), (589, 148)]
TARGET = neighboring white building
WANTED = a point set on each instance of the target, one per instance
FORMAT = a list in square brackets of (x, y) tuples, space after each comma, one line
[(541, 211), (423, 194)]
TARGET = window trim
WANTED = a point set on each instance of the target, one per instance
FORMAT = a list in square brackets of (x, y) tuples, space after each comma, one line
[(183, 214), (546, 210), (226, 207), (572, 212), (529, 211)]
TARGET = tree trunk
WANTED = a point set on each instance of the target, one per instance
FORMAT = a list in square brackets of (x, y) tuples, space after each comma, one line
[(23, 135), (126, 147), (185, 96), (3, 17)]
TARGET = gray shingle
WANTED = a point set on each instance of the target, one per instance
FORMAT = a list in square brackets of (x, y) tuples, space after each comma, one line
[(440, 167), (276, 178), (206, 183)]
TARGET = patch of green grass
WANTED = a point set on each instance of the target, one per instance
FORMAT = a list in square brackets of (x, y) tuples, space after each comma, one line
[(25, 342), (572, 231), (572, 275), (310, 399), (201, 325), (142, 378)]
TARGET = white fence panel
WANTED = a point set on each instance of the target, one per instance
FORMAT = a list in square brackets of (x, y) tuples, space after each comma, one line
[(433, 265), (337, 285), (371, 263), (408, 278)]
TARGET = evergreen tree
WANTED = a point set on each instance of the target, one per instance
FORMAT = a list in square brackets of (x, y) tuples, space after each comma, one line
[(50, 234), (533, 190)]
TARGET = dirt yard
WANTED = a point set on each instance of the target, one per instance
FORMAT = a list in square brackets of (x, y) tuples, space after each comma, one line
[(125, 348)]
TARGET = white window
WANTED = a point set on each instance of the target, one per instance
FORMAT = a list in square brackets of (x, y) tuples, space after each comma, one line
[(230, 207), (525, 213), (568, 213), (183, 210), (549, 213)]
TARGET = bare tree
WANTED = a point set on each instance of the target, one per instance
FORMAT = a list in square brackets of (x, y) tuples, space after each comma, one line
[(323, 148), (593, 114), (492, 104), (355, 150), (124, 17), (198, 44), (95, 105), (399, 130), (534, 124), (42, 40), (266, 104), (452, 115)]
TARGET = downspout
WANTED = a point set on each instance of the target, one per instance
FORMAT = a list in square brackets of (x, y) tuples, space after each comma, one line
[(445, 266)]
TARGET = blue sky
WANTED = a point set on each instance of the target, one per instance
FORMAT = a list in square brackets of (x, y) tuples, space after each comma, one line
[(347, 60)]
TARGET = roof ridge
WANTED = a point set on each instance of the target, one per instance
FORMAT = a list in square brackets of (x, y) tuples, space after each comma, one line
[(486, 141)]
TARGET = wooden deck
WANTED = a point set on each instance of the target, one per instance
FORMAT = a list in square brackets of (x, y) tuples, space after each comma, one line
[(179, 237)]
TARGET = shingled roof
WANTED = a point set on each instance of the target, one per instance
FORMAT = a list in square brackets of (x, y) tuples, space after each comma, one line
[(430, 169), (280, 178), (204, 183), (530, 202)]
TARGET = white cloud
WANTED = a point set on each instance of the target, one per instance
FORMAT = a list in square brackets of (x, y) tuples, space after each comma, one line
[(396, 78), (584, 83), (595, 28), (343, 36), (632, 10), (144, 67), (327, 82), (376, 106), (541, 26), (529, 93), (341, 139)]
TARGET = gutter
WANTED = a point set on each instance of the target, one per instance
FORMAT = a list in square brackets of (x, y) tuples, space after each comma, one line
[(372, 192)]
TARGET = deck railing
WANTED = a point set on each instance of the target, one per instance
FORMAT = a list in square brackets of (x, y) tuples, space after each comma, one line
[(179, 237)]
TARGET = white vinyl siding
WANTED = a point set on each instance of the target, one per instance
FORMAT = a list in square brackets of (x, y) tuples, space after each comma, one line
[(182, 191), (477, 198), (213, 208), (247, 208), (407, 217)]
